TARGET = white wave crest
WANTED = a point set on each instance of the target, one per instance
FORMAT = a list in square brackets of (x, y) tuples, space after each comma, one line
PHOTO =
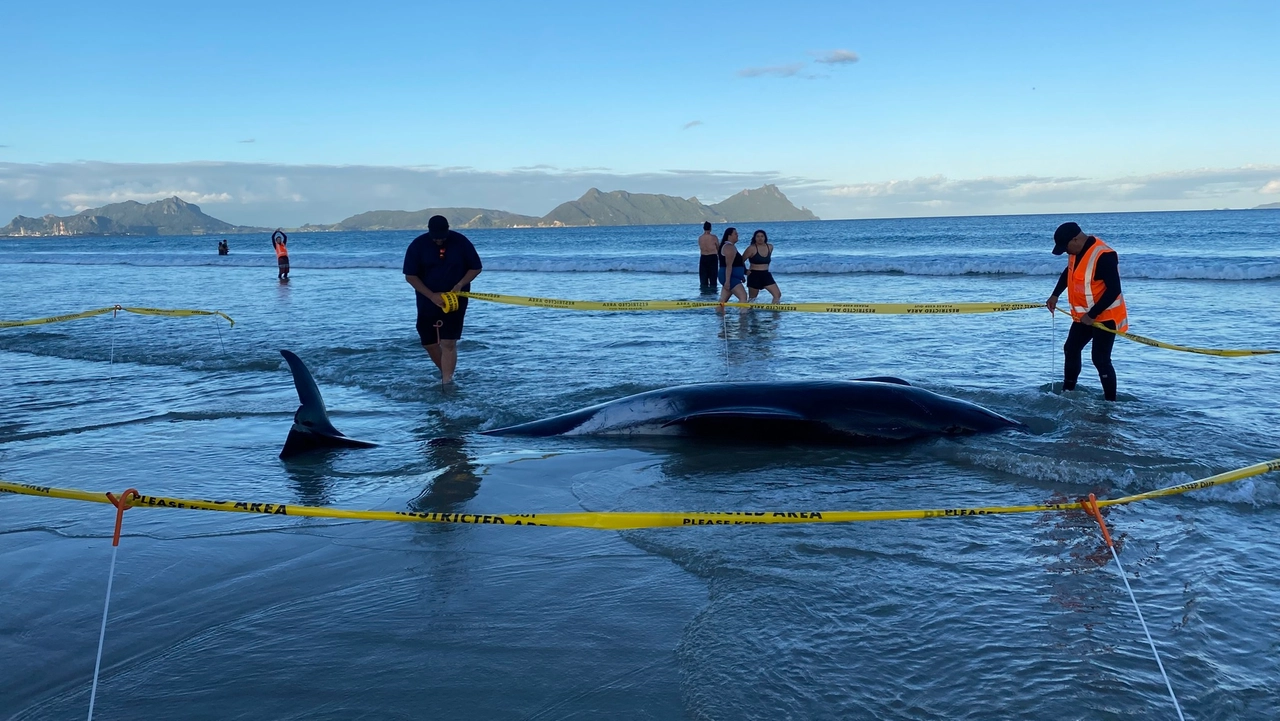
[(1147, 267)]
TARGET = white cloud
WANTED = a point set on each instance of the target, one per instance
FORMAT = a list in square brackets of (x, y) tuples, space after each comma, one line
[(1177, 190), (84, 201), (939, 189), (794, 70), (837, 57), (774, 71)]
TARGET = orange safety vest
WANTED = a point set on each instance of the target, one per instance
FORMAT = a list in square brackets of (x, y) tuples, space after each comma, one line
[(1083, 289), (281, 251)]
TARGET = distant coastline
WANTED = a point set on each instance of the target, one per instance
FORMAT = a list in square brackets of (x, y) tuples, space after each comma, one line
[(173, 216), (186, 219)]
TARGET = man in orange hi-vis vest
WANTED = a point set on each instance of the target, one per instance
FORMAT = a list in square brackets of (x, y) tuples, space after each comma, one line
[(1092, 282)]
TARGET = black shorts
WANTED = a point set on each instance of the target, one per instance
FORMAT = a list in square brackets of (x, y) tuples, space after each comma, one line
[(283, 262), (708, 265), (450, 323), (759, 279)]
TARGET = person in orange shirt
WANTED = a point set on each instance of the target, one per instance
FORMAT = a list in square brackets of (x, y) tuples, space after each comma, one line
[(1092, 282), (278, 240)]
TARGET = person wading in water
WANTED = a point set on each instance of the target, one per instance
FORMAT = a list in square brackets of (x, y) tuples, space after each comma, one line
[(440, 261), (758, 255), (707, 263), (733, 272), (278, 240), (1092, 282)]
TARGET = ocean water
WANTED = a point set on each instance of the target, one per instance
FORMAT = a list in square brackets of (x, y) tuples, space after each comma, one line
[(228, 616)]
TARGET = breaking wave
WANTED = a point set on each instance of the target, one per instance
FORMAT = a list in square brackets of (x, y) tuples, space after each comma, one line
[(1157, 267)]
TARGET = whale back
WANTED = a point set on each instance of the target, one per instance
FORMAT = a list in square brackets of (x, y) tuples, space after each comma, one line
[(865, 410)]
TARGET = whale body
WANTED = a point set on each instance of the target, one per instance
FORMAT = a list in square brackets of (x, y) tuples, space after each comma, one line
[(867, 410)]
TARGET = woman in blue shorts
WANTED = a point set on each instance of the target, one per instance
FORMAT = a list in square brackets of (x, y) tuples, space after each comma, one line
[(733, 270)]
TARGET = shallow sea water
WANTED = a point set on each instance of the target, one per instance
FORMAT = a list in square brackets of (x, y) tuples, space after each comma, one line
[(229, 616)]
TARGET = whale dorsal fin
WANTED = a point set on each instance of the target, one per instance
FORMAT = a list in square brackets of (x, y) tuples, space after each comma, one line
[(311, 413), (312, 428)]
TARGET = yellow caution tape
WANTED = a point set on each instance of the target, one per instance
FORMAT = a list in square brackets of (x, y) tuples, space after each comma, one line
[(451, 304), (623, 520), (178, 313), (54, 318), (1224, 352), (856, 308)]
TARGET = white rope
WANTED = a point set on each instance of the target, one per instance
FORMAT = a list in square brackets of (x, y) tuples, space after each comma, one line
[(112, 361), (102, 634), (725, 324), (1053, 348), (1125, 577), (218, 325), (438, 325)]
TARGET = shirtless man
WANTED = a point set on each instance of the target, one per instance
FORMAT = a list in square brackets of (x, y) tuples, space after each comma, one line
[(708, 244)]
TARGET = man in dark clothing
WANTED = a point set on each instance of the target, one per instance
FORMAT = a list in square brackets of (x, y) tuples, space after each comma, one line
[(440, 261), (709, 262), (1092, 282)]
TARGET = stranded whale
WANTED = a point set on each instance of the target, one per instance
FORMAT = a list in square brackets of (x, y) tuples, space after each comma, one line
[(311, 427), (861, 411), (866, 410)]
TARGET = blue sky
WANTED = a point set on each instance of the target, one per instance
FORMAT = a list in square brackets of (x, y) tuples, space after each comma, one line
[(1104, 95)]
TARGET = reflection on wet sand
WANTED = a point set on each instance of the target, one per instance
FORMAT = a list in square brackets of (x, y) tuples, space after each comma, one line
[(310, 482), (456, 483)]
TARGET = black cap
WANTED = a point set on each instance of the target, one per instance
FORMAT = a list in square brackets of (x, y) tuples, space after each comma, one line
[(1063, 235), (438, 227)]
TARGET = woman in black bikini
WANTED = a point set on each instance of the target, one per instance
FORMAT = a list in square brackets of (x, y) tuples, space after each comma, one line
[(758, 254)]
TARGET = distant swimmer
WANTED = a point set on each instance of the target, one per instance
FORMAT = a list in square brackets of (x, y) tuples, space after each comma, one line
[(278, 241), (223, 249), (1092, 282), (707, 264), (440, 261), (758, 255), (733, 272)]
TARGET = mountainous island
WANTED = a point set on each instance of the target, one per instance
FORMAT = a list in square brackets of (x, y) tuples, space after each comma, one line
[(174, 216), (595, 207), (1268, 206), (171, 216)]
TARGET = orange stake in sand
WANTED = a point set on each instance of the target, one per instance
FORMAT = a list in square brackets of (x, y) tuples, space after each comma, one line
[(122, 504), (1091, 507)]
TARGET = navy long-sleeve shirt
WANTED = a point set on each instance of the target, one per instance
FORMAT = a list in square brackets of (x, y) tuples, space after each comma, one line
[(1107, 270), (440, 267)]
